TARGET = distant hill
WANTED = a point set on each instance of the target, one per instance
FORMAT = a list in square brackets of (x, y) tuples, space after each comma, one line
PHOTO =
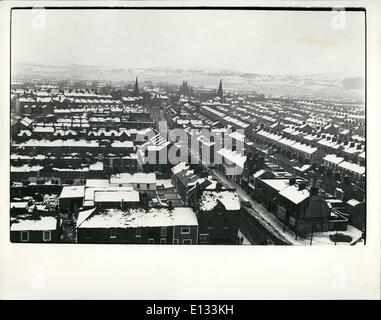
[(354, 83), (321, 85)]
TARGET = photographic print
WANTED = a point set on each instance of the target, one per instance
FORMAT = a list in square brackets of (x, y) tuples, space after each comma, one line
[(188, 126)]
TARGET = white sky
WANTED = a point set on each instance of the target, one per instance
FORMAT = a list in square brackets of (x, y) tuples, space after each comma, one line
[(268, 42)]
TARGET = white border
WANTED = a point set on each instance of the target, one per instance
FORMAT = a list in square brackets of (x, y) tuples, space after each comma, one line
[(51, 271)]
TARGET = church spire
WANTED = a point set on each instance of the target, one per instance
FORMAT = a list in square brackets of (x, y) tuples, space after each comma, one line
[(136, 89), (220, 93)]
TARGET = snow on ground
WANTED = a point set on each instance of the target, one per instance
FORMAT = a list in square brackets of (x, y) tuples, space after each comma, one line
[(274, 225), (245, 240)]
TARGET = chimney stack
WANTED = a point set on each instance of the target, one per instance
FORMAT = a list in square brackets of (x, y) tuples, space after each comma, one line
[(302, 185), (314, 191)]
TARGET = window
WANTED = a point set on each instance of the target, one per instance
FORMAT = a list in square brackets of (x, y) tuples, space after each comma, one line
[(185, 231), (226, 223), (148, 185), (47, 236), (151, 241), (163, 241), (175, 241), (187, 241), (163, 231), (24, 235), (138, 186), (138, 232), (210, 223), (203, 236), (112, 233)]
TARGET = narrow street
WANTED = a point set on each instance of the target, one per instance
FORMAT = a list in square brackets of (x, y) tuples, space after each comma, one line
[(265, 218), (274, 226)]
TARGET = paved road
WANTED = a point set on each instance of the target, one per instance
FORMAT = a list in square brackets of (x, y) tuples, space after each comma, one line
[(265, 218)]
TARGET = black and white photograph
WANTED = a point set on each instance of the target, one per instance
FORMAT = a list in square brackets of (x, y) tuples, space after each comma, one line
[(188, 127), (186, 139)]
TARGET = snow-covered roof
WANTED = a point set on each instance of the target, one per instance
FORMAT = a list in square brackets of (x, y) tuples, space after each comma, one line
[(122, 144), (42, 224), (304, 148), (90, 191), (136, 218), (286, 141), (128, 178), (353, 202), (26, 168), (353, 150), (26, 121), (84, 169), (210, 198), (96, 166), (233, 156), (303, 168), (329, 143), (259, 173), (24, 132), (180, 167), (97, 183), (354, 167), (43, 129), (18, 205), (72, 192), (116, 196), (333, 158), (294, 195), (59, 143), (165, 183), (288, 130), (83, 215), (277, 184), (237, 136)]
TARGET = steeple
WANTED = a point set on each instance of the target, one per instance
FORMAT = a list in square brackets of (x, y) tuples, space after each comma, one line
[(220, 93), (136, 89), (184, 89)]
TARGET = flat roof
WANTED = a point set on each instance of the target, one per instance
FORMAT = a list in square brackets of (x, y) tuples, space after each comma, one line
[(42, 224), (97, 183), (136, 218), (72, 192), (138, 177), (277, 184), (90, 191), (19, 205), (116, 196)]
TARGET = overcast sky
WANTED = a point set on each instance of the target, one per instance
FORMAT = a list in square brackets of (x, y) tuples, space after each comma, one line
[(267, 42)]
